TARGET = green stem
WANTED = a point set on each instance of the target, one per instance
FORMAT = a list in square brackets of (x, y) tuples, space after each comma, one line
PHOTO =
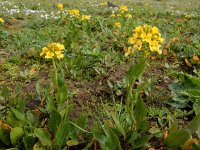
[(56, 72)]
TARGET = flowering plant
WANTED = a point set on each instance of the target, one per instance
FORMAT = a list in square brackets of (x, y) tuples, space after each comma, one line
[(146, 38)]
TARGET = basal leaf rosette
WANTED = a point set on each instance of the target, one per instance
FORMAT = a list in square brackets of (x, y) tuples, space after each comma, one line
[(53, 50), (146, 38)]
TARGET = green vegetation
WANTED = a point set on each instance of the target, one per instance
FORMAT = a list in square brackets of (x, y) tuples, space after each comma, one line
[(99, 75)]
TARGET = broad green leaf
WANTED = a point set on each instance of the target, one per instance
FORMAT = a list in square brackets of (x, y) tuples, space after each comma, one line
[(5, 92), (196, 107), (100, 137), (141, 141), (61, 80), (176, 138), (16, 134), (140, 111), (61, 95), (43, 136), (13, 121), (29, 142), (132, 137), (18, 115), (192, 93), (21, 105), (195, 147), (53, 78), (135, 71), (194, 124), (32, 118), (61, 134), (142, 125), (112, 141), (5, 136), (54, 120)]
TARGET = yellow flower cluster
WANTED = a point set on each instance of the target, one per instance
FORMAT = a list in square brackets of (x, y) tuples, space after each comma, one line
[(85, 17), (74, 12), (123, 8), (123, 11), (1, 20), (146, 37), (60, 6), (53, 50), (128, 16), (117, 25)]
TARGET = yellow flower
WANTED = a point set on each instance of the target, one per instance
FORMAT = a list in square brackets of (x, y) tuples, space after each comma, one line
[(128, 16), (117, 24), (118, 15), (60, 6), (143, 36), (187, 16), (155, 30), (132, 40), (44, 51), (148, 35), (128, 51), (60, 47), (112, 15), (154, 47), (174, 39), (59, 54), (139, 44), (53, 49), (49, 54), (1, 20), (138, 29), (161, 40), (123, 8), (85, 17), (74, 12)]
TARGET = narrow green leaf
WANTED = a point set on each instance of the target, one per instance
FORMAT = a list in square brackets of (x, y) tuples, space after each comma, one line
[(118, 124), (82, 121), (61, 135)]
